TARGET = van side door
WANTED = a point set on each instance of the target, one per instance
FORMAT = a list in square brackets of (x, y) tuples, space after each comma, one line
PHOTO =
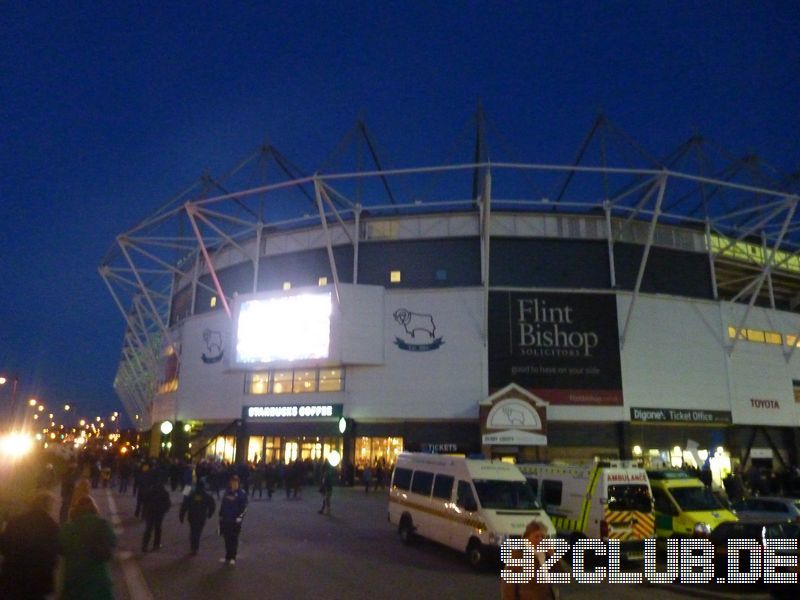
[(420, 496), (467, 511), (442, 508)]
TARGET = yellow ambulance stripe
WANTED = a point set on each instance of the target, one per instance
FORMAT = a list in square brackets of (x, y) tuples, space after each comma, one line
[(440, 513), (587, 500), (643, 527)]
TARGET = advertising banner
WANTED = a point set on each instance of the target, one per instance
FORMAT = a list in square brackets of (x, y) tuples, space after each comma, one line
[(562, 347)]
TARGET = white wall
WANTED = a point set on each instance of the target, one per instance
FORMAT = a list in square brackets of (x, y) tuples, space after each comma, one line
[(438, 384), (673, 355), (207, 391), (761, 372)]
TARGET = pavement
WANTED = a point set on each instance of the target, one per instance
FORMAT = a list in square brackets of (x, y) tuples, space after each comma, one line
[(287, 550)]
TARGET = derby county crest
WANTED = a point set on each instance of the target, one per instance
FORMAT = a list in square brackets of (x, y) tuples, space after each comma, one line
[(213, 340), (419, 331)]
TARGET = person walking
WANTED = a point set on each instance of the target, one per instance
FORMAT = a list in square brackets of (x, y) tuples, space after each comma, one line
[(68, 480), (258, 476), (366, 477), (155, 505), (326, 489), (197, 506), (142, 484), (29, 546), (231, 514), (86, 543)]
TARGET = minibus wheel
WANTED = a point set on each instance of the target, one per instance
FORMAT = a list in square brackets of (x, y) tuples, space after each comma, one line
[(406, 530), (475, 554)]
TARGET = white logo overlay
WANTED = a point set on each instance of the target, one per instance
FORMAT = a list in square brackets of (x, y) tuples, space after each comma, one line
[(689, 560)]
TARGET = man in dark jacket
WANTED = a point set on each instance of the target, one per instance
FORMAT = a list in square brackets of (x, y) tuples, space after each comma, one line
[(29, 546), (231, 514), (198, 506), (155, 505)]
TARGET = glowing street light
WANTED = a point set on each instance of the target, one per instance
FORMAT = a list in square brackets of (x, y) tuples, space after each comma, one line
[(32, 402), (40, 408), (15, 445), (67, 407), (82, 423)]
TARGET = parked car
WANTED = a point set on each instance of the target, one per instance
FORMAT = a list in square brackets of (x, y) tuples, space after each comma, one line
[(754, 530), (767, 508)]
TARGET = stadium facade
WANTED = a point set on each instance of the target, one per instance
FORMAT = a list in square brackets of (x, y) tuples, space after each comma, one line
[(645, 310)]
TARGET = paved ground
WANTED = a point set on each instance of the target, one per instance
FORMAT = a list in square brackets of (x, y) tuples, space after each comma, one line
[(289, 551)]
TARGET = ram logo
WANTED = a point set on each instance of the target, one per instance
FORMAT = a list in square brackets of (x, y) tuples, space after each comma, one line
[(420, 327), (514, 416), (213, 340), (413, 322)]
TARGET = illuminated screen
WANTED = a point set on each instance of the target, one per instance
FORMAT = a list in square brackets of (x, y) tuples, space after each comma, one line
[(284, 328)]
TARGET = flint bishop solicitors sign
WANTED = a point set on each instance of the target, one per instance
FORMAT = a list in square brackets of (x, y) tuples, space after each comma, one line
[(564, 348)]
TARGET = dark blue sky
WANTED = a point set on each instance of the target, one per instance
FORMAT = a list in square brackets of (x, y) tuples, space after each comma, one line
[(108, 111)]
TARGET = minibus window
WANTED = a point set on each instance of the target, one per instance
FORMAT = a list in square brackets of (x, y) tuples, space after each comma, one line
[(443, 487), (465, 498), (630, 497), (402, 478), (422, 482), (551, 493), (509, 495), (534, 485)]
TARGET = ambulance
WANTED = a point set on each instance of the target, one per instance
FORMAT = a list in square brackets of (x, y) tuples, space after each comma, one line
[(605, 499), (685, 507), (470, 505)]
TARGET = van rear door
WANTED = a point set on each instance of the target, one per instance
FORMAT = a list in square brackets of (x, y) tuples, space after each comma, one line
[(629, 512)]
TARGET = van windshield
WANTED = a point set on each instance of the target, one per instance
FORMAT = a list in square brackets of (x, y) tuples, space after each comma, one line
[(630, 497), (508, 495), (695, 498)]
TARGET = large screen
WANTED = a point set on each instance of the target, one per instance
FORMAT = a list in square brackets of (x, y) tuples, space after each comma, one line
[(284, 328)]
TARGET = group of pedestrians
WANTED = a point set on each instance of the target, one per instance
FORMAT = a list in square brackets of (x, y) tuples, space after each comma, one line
[(32, 542)]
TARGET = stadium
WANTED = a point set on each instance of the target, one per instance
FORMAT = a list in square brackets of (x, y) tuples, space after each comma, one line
[(614, 303)]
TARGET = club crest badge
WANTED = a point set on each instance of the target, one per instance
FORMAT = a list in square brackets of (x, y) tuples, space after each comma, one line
[(419, 331), (213, 341)]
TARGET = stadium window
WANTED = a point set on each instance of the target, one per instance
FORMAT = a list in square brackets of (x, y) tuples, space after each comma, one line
[(796, 390), (305, 381), (791, 340), (394, 276), (257, 383), (331, 380), (282, 382), (754, 335), (322, 281), (772, 337), (732, 333), (213, 301), (287, 285)]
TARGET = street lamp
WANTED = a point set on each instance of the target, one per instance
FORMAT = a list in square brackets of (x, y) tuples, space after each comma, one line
[(67, 407), (32, 402)]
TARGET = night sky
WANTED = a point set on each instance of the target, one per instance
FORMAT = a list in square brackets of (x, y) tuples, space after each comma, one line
[(108, 111)]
